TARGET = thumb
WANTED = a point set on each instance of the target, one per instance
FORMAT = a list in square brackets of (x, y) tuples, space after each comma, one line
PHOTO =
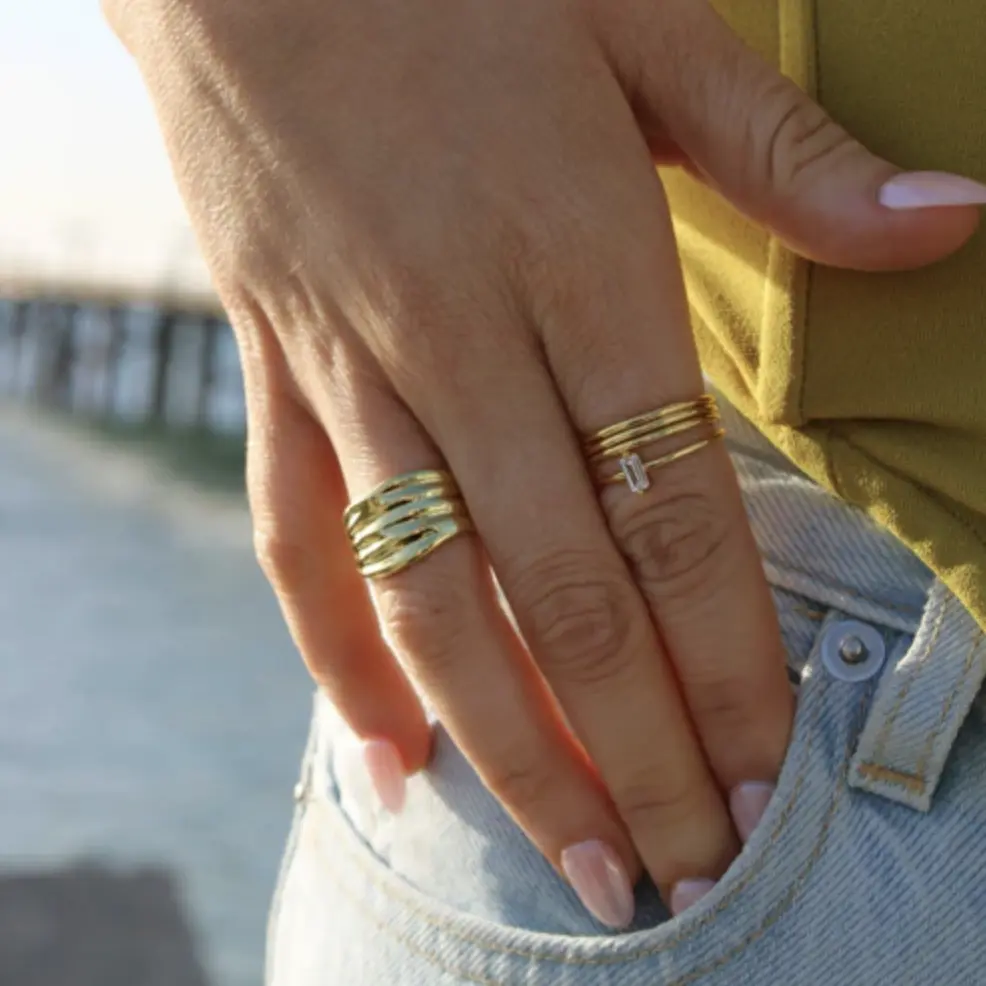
[(775, 153)]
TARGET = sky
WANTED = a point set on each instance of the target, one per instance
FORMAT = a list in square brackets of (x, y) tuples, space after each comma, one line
[(85, 187)]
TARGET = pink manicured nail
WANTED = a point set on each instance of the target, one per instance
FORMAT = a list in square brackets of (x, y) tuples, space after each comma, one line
[(685, 893), (598, 877), (747, 803), (925, 189), (386, 770)]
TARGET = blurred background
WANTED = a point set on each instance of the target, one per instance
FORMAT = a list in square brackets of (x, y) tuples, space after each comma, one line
[(152, 708)]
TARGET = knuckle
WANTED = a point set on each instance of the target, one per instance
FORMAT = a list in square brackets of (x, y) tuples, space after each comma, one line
[(733, 703), (646, 803), (684, 822), (417, 323), (520, 781), (577, 620), (249, 270), (288, 563), (673, 541), (798, 138), (425, 618), (410, 294)]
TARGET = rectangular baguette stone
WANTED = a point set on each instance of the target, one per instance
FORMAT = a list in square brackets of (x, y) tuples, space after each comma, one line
[(636, 474)]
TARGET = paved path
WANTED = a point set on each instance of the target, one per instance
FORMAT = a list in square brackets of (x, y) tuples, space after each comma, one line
[(88, 927), (152, 709)]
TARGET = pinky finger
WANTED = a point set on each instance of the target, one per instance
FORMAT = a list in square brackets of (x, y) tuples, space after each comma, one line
[(297, 497)]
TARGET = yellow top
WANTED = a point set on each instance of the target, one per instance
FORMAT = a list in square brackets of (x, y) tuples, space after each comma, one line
[(873, 384)]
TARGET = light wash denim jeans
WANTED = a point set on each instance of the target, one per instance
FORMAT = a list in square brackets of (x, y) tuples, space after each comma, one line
[(869, 866)]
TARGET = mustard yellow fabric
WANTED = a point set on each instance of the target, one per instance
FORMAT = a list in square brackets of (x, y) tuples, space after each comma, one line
[(872, 383)]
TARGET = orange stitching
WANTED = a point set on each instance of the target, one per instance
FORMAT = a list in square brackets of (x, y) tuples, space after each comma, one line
[(811, 614), (801, 880), (908, 683), (916, 781), (686, 934), (913, 782), (424, 953), (773, 917)]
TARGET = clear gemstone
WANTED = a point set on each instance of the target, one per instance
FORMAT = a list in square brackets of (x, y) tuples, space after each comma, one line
[(636, 474)]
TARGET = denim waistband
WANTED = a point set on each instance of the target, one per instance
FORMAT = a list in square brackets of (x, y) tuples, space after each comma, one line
[(818, 546)]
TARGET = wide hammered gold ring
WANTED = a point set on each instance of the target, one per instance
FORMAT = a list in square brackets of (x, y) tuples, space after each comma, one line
[(403, 520), (622, 440)]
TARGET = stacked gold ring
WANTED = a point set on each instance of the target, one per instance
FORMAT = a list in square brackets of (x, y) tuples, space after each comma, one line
[(622, 440), (403, 520)]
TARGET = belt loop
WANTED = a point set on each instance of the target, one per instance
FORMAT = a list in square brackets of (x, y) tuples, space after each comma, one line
[(920, 703)]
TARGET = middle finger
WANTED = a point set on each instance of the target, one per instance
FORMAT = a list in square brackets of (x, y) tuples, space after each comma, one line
[(619, 344), (580, 613)]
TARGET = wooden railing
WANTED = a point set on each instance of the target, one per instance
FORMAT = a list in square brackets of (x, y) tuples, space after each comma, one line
[(144, 361)]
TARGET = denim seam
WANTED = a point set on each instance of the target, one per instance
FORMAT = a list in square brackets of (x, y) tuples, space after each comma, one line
[(783, 567), (797, 888), (949, 704), (294, 840), (908, 683), (801, 881), (686, 934)]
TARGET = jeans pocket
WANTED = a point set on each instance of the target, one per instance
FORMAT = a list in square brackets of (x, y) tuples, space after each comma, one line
[(354, 909)]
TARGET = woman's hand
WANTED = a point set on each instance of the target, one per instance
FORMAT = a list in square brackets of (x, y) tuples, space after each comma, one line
[(439, 234)]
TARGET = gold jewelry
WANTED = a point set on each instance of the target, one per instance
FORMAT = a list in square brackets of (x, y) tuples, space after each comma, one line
[(403, 520), (621, 440)]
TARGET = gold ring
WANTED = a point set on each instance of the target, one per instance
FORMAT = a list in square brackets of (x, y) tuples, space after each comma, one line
[(403, 520), (621, 441)]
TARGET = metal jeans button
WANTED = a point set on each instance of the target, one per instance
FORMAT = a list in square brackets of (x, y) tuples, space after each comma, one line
[(852, 651)]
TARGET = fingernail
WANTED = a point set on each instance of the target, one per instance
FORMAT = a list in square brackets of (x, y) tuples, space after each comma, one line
[(598, 877), (685, 893), (924, 189), (386, 770), (747, 803)]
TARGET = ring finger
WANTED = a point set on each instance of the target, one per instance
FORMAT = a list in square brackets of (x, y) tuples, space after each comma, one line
[(442, 618), (581, 615)]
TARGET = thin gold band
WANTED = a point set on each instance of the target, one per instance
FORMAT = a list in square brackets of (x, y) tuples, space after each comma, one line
[(705, 403), (622, 440), (644, 435), (645, 428), (664, 460), (403, 520)]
